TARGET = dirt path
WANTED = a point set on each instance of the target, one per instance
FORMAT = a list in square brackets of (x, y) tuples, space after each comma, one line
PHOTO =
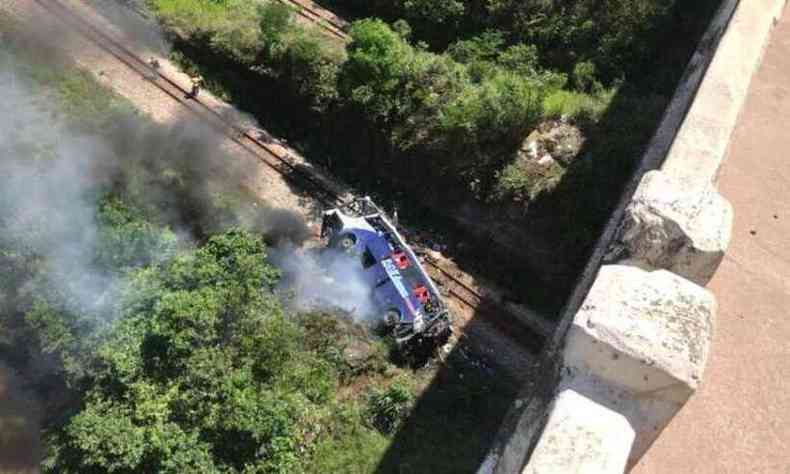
[(739, 422)]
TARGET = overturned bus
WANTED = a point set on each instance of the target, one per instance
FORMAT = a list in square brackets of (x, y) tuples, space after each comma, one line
[(409, 301)]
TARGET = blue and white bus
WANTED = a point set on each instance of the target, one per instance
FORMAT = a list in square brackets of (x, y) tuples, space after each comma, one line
[(409, 301)]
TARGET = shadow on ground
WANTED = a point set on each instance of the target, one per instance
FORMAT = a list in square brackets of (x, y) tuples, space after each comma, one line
[(455, 422)]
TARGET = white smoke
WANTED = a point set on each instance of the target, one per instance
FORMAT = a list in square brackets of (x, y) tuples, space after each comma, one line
[(133, 19), (326, 280), (49, 176), (45, 176)]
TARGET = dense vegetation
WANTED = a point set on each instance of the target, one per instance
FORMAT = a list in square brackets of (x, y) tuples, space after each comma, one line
[(136, 301), (433, 101)]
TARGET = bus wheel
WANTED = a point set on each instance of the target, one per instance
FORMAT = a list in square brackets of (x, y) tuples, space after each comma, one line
[(346, 243)]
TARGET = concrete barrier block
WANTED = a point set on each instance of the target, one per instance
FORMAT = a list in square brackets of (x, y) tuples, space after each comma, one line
[(669, 226), (644, 337), (698, 151), (582, 436), (648, 332)]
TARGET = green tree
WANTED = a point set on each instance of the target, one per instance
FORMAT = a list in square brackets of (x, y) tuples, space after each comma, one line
[(373, 75), (127, 239), (275, 22), (202, 374)]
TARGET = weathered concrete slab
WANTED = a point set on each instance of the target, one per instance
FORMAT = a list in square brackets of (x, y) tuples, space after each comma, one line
[(648, 332), (584, 434), (645, 335), (668, 226)]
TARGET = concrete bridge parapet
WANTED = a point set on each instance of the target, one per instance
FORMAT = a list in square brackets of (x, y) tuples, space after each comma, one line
[(633, 340)]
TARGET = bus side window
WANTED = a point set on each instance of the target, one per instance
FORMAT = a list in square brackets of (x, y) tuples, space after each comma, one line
[(368, 260)]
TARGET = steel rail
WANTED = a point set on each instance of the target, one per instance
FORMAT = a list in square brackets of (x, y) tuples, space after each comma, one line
[(313, 16)]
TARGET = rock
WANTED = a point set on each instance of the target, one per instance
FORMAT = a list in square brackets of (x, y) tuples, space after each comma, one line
[(546, 160), (530, 147), (533, 149), (357, 352), (681, 230), (566, 142), (644, 337), (561, 140)]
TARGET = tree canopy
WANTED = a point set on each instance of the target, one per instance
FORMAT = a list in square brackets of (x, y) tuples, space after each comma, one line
[(203, 373)]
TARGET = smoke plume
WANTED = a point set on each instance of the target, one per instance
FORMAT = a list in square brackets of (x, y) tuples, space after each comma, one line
[(52, 171), (134, 20), (325, 280), (45, 175)]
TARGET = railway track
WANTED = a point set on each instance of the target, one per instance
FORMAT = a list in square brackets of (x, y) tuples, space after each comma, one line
[(313, 15), (260, 149), (501, 318)]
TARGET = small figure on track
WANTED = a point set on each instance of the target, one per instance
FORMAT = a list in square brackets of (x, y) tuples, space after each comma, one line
[(154, 63), (197, 83)]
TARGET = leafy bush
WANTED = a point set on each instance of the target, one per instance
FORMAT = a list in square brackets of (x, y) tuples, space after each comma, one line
[(525, 181), (388, 408), (179, 372), (577, 106), (431, 102), (127, 239), (584, 76), (352, 448), (275, 22)]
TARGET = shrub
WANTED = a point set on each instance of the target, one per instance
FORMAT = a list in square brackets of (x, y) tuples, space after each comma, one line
[(429, 101), (584, 76), (312, 68), (126, 239), (274, 20), (387, 409), (524, 181), (576, 105)]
